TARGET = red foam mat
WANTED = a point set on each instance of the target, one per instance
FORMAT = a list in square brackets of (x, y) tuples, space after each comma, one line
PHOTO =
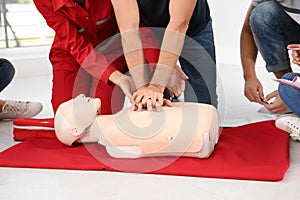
[(257, 151), (26, 128)]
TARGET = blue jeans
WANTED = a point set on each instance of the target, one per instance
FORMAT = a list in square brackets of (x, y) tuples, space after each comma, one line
[(7, 72), (273, 30), (198, 61), (290, 95)]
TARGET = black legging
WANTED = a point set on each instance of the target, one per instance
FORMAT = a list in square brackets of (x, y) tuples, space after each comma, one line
[(7, 72)]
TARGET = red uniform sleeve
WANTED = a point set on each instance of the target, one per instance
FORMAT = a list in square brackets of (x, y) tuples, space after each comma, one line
[(74, 42)]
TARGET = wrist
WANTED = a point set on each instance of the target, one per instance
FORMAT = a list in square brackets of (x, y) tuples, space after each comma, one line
[(139, 75), (249, 76), (115, 77), (161, 88), (161, 75)]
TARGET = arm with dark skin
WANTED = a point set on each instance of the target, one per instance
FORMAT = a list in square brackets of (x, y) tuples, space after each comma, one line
[(253, 88)]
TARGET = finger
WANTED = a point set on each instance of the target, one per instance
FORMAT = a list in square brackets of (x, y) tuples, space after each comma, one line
[(134, 95), (295, 61), (145, 100), (133, 107), (149, 105), (291, 46), (153, 101), (274, 108), (174, 92), (295, 54), (269, 107), (182, 86), (171, 93), (160, 100), (179, 91), (253, 96), (258, 99), (140, 107), (167, 103), (158, 107), (260, 92), (270, 96), (181, 72), (139, 98)]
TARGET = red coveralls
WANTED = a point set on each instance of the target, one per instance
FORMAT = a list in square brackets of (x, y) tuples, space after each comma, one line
[(77, 32)]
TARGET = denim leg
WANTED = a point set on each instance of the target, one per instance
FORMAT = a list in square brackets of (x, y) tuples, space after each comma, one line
[(273, 30), (7, 72), (290, 95), (198, 62)]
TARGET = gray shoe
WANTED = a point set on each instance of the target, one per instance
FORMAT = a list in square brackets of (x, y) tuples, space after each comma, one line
[(20, 109)]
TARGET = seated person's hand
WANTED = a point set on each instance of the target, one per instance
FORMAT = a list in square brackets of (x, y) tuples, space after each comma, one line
[(276, 107), (254, 91), (176, 83), (149, 97), (295, 53)]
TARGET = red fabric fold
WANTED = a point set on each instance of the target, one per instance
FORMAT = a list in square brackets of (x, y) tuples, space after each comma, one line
[(257, 151), (27, 128)]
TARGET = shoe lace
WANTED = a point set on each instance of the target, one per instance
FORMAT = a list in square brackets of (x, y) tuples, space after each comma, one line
[(16, 107), (294, 130)]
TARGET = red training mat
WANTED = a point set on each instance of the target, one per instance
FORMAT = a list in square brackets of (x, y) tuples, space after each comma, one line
[(26, 128), (257, 151)]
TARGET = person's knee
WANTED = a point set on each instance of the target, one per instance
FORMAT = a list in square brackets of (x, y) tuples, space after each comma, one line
[(7, 68), (283, 89), (264, 15), (288, 76)]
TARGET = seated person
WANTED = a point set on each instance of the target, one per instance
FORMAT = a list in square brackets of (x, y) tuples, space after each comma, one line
[(268, 28), (178, 129)]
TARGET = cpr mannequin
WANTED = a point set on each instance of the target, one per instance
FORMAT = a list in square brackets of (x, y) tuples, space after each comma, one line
[(185, 129)]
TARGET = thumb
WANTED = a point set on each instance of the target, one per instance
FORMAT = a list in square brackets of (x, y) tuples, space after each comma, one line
[(292, 46), (167, 102), (181, 72), (270, 96)]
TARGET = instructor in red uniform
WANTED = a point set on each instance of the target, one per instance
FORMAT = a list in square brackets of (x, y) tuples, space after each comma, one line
[(81, 25)]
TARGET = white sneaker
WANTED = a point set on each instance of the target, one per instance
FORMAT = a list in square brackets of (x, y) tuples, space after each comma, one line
[(289, 123), (20, 109)]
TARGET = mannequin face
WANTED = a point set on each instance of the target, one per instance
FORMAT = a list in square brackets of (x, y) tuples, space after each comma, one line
[(74, 117), (84, 104)]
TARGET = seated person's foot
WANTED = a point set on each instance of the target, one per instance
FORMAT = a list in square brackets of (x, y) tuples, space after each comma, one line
[(289, 123), (20, 109)]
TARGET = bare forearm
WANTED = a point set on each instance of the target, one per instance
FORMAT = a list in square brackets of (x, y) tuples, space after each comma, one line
[(180, 15), (127, 15), (248, 49), (248, 55), (173, 41)]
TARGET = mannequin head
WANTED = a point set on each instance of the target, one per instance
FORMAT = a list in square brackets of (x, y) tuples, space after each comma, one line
[(73, 118)]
